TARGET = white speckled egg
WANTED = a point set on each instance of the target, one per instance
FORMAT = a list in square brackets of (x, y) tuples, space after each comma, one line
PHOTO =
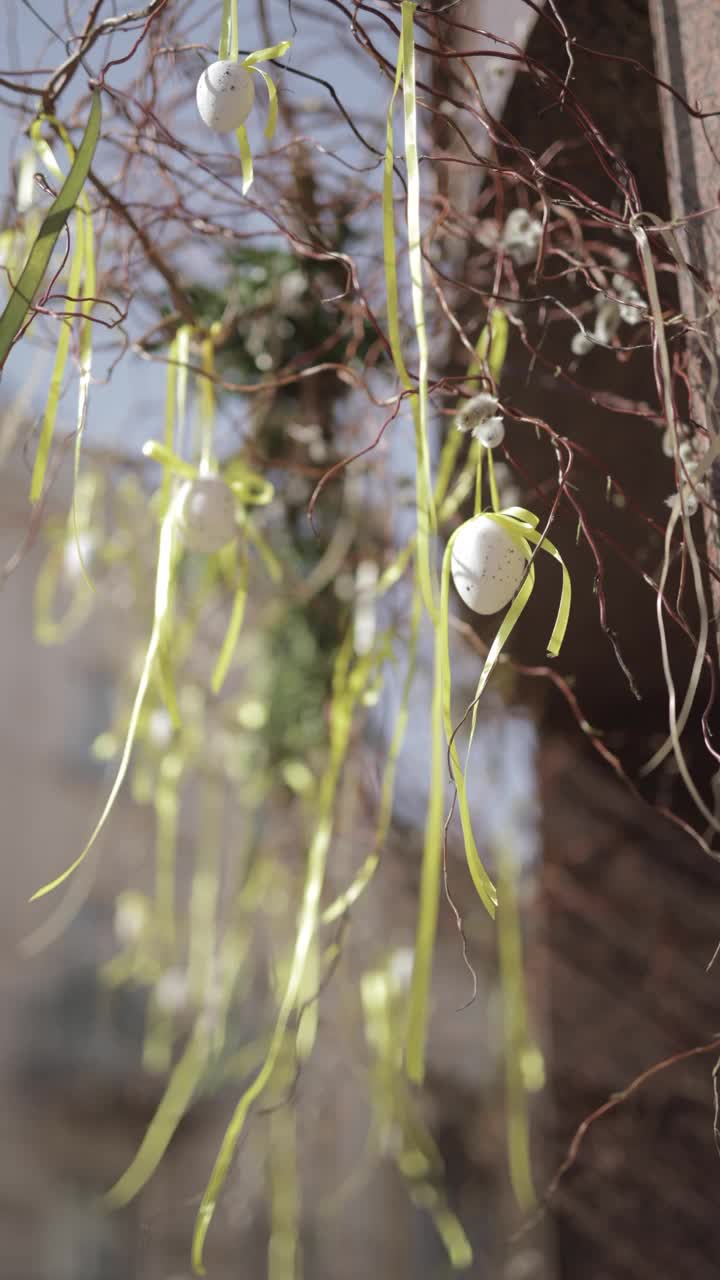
[(206, 514), (225, 94), (486, 565)]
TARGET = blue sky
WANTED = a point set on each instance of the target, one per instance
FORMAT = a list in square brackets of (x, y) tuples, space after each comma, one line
[(129, 409)]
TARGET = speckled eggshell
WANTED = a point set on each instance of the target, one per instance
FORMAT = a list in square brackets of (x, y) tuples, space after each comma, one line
[(206, 514), (225, 94), (486, 566)]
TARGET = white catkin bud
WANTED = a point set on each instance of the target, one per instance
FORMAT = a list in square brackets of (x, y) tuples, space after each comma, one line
[(225, 94), (160, 728), (304, 432), (490, 433), (521, 236), (366, 578), (581, 343), (317, 451), (475, 412), (690, 500), (401, 967), (632, 305), (632, 311), (344, 587), (607, 323), (667, 444), (510, 497), (171, 991), (131, 914)]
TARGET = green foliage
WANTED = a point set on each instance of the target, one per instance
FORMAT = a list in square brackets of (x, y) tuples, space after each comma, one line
[(26, 289), (301, 669), (271, 309)]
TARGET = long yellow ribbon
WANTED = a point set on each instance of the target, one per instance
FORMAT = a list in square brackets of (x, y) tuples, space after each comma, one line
[(82, 265), (163, 585), (251, 62), (520, 524), (348, 686)]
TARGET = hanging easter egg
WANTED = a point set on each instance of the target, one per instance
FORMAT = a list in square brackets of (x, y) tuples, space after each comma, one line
[(225, 94), (206, 514), (486, 565)]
